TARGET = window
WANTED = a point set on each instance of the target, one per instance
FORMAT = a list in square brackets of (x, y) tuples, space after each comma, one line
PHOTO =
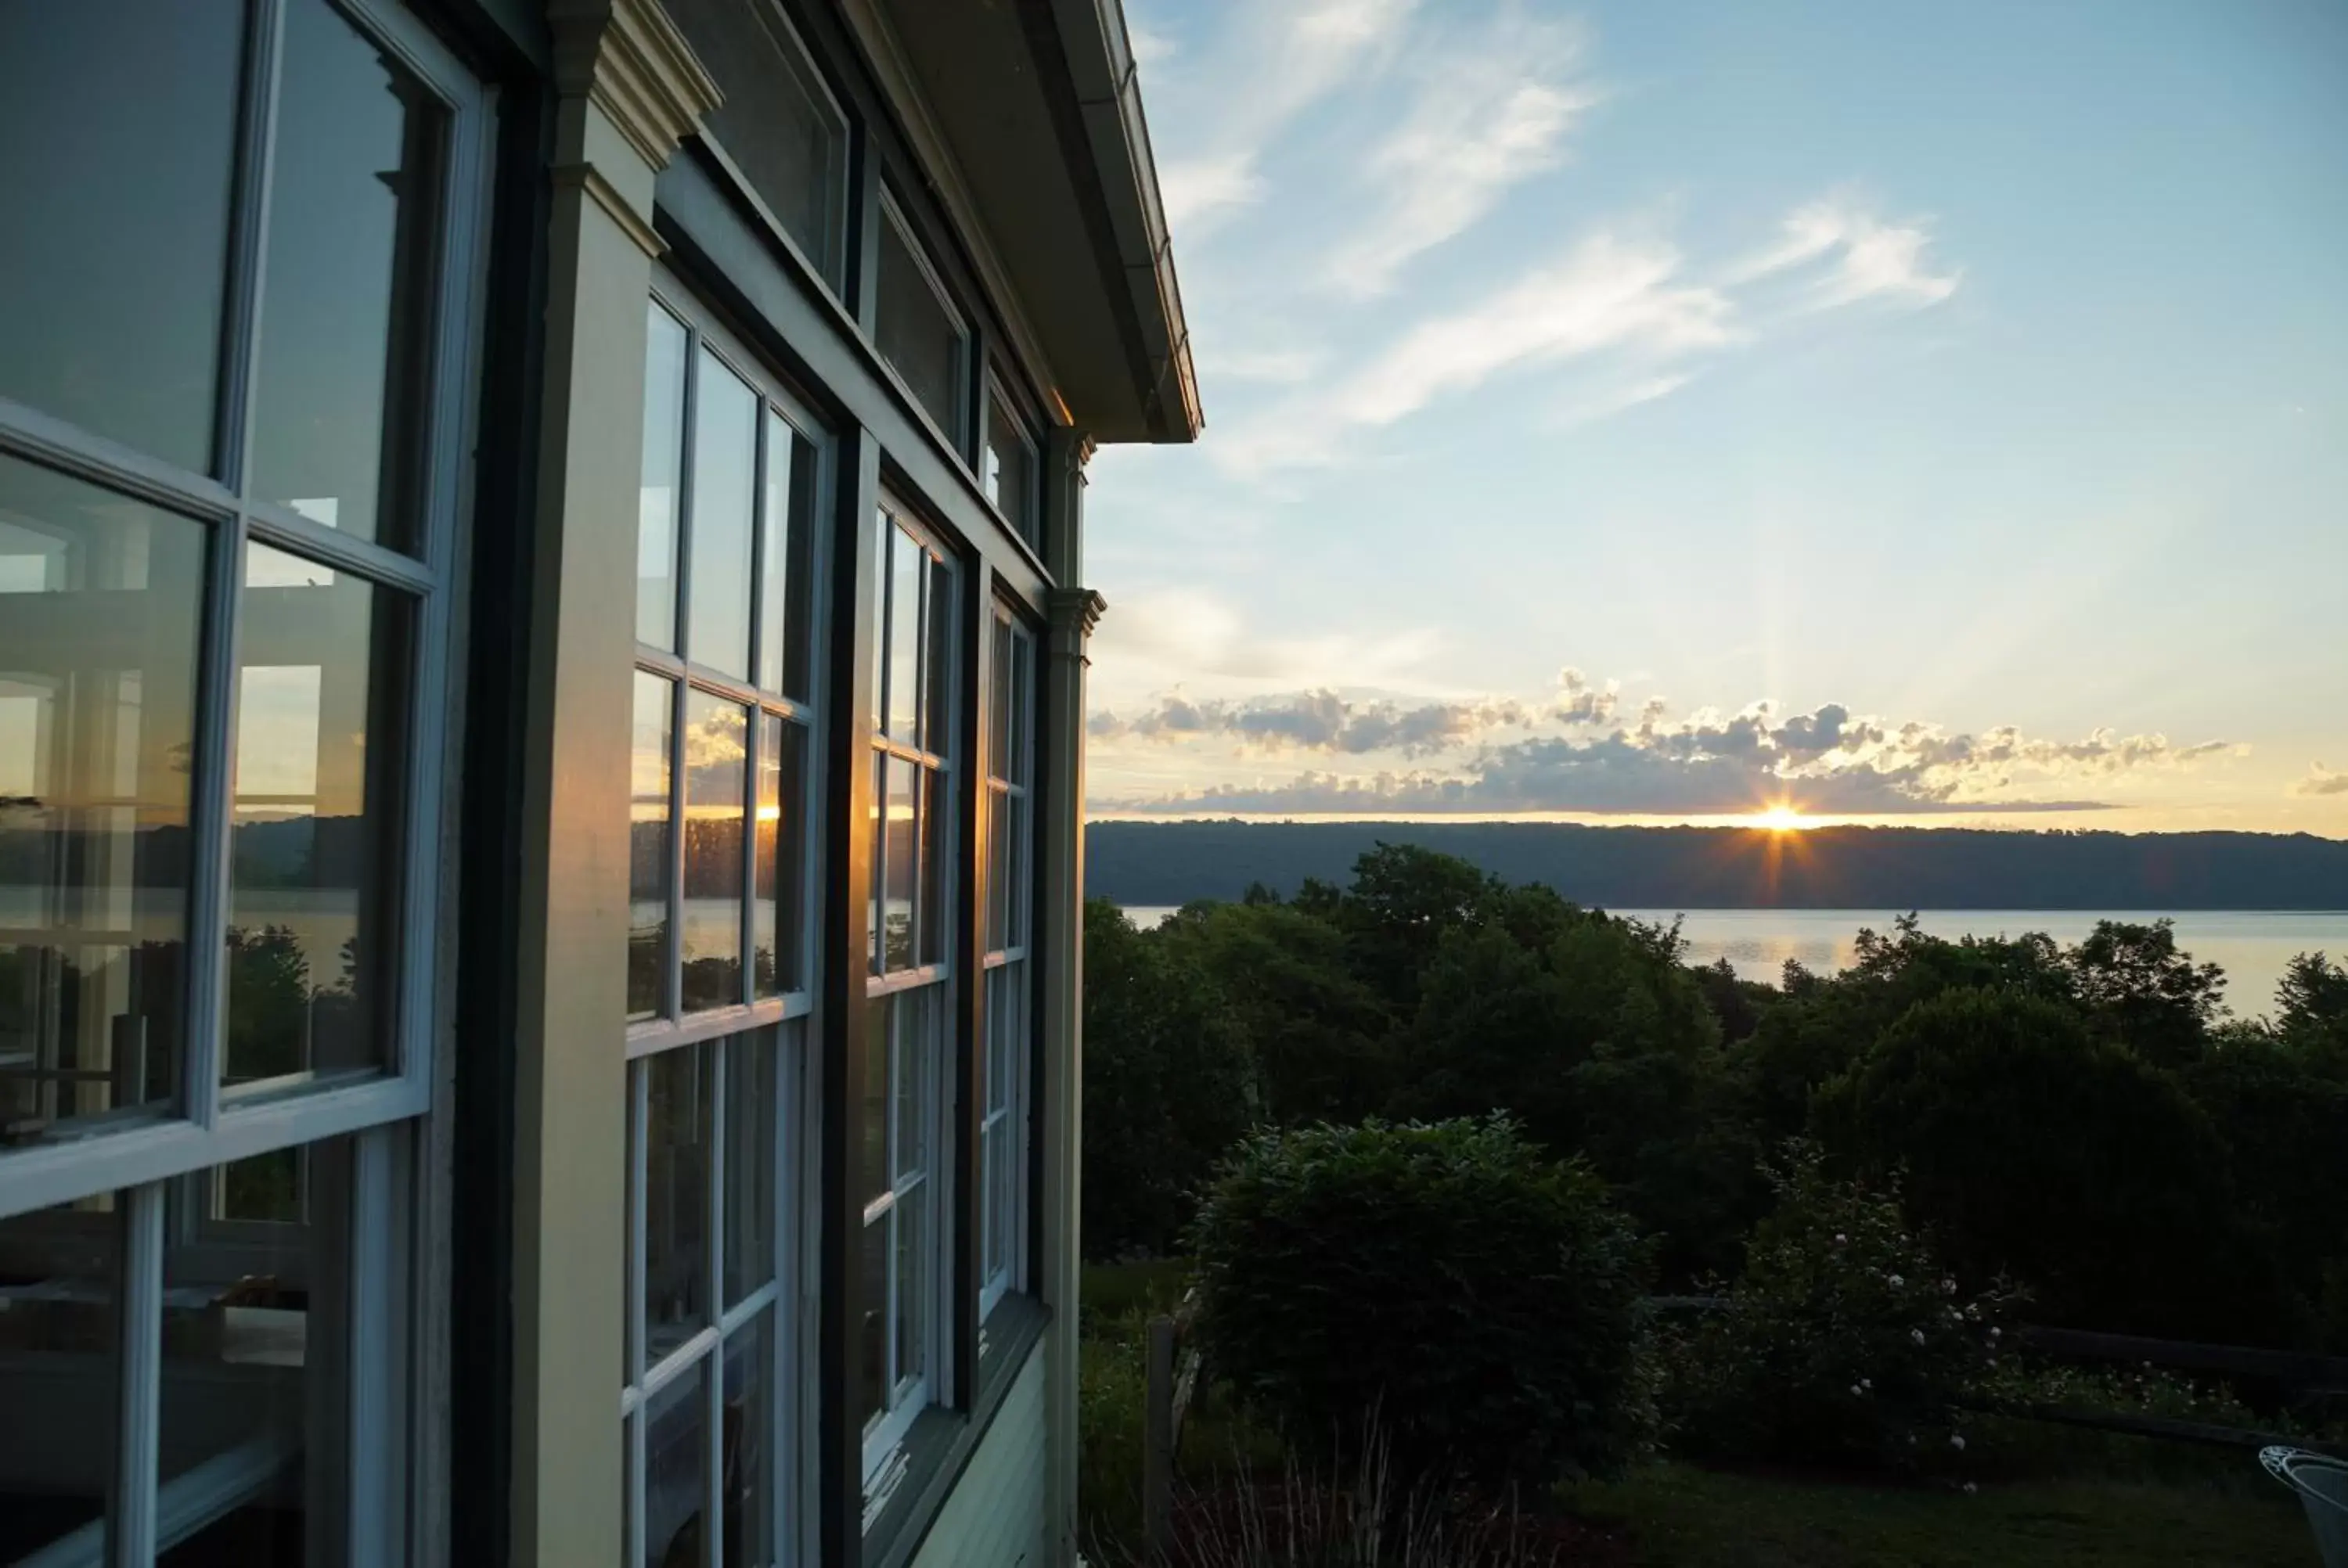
[(909, 1030), (916, 327), (229, 465), (719, 998), (776, 122), (1007, 1049), (1007, 467)]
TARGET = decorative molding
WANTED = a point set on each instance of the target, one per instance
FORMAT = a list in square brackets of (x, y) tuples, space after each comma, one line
[(629, 59), (1076, 611), (588, 177)]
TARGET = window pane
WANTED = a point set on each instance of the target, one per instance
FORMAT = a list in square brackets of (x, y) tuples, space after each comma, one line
[(917, 1016), (677, 1424), (787, 522), (998, 732), (725, 492), (747, 1441), (648, 844), (716, 732), (916, 334), (911, 1218), (782, 827), (880, 869), (1019, 873), (663, 480), (776, 124), (99, 601), (998, 872), (60, 1336), (938, 683), (1023, 709), (321, 744), (872, 1302), (252, 1311), (935, 905), (904, 645), (1010, 469), (879, 1054), (676, 1200), (346, 310), (902, 866), (118, 142), (750, 1066)]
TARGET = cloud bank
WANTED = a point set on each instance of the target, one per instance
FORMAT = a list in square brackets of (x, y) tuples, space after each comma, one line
[(1573, 751)]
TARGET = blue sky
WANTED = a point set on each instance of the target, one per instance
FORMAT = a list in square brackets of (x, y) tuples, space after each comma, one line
[(1968, 385)]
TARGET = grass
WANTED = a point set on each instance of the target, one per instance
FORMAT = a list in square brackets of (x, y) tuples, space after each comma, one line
[(1679, 1516)]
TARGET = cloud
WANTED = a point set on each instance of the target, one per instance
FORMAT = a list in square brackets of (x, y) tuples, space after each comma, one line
[(1609, 292), (1864, 257), (1486, 117), (2321, 781), (1823, 760), (1147, 46), (1319, 720), (1192, 189), (1187, 635)]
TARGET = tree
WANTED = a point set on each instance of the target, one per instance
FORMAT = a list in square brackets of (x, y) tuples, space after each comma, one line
[(2140, 989), (1403, 900), (2311, 1010), (1166, 1086), (2033, 1148)]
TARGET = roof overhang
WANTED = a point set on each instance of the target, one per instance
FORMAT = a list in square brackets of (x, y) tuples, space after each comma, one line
[(1035, 115)]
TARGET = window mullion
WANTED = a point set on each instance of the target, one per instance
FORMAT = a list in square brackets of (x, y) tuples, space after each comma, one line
[(241, 336), (370, 1343), (138, 1395), (713, 1382), (213, 805), (673, 950)]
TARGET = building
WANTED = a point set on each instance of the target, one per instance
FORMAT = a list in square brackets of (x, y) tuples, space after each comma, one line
[(541, 678)]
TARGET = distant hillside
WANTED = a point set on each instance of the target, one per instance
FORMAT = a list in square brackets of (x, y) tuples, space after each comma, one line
[(1151, 863)]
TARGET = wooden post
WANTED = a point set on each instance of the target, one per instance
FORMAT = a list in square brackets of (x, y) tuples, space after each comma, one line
[(1158, 1442)]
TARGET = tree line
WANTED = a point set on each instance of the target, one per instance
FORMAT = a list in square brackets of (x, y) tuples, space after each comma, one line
[(2083, 1120), (1173, 863)]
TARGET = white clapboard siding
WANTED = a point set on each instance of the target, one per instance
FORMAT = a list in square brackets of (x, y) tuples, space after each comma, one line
[(995, 1518)]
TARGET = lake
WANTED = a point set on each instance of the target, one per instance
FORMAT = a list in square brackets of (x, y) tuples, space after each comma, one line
[(2251, 946)]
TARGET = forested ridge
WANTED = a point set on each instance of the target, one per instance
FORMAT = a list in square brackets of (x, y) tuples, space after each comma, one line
[(1172, 862)]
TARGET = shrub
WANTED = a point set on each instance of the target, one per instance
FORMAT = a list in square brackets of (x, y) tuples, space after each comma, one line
[(1843, 1341), (2035, 1150), (1447, 1283)]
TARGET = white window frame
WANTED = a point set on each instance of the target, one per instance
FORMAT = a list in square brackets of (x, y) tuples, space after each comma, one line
[(1007, 1042), (784, 1024), (931, 1059), (139, 1158)]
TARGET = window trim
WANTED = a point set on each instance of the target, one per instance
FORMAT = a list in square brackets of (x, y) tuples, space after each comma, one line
[(891, 212), (1027, 527)]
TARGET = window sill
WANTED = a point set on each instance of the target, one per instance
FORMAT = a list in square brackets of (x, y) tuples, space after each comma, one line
[(939, 1448)]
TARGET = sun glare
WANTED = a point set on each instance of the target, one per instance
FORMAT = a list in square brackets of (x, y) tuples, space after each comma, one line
[(1780, 819)]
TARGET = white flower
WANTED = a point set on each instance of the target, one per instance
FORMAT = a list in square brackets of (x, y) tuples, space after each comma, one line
[(1867, 1382), (1997, 1333), (1911, 1439), (1840, 1238), (1957, 1441), (1970, 1489), (1917, 1335), (1897, 1281), (1947, 1287), (1854, 1391)]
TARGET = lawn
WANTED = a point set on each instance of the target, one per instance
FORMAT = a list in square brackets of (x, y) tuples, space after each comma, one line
[(1679, 1516)]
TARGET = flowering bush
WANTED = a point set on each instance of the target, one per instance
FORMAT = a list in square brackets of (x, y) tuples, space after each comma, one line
[(1844, 1340)]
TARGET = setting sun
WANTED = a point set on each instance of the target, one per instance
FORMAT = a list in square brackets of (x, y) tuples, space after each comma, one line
[(1780, 819)]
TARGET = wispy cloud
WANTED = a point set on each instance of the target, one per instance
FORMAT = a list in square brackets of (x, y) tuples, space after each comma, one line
[(1609, 292), (1572, 754), (1855, 254), (1192, 189), (2321, 781), (1489, 112), (1182, 635)]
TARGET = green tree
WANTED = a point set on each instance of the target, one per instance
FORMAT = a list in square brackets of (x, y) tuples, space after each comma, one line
[(2035, 1149), (1167, 1086), (2141, 989)]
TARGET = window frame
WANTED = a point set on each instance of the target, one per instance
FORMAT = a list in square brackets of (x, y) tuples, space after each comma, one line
[(1011, 780), (789, 1024), (671, 1025), (147, 1159), (1026, 525), (890, 213)]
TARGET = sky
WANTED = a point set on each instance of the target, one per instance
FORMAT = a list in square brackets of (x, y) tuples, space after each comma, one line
[(1676, 412)]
